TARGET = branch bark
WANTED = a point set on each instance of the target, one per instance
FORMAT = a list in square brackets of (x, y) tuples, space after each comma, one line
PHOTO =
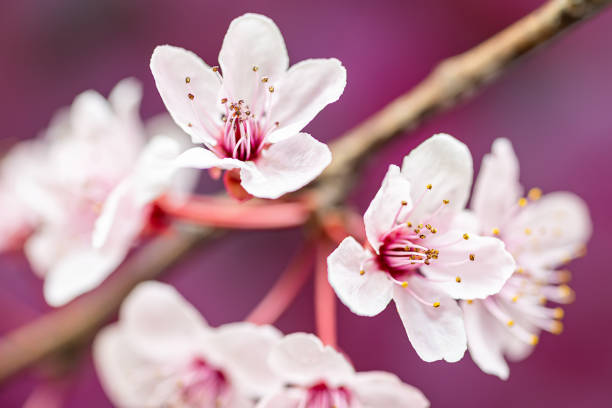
[(451, 81)]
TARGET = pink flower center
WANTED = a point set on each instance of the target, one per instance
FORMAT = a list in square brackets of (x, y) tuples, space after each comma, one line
[(323, 396), (204, 385)]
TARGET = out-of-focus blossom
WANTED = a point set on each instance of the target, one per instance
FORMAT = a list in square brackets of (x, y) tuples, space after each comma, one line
[(542, 232), (419, 253), (88, 185), (250, 118), (162, 353), (321, 377)]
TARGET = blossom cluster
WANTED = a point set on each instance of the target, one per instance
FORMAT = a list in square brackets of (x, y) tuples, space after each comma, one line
[(98, 181)]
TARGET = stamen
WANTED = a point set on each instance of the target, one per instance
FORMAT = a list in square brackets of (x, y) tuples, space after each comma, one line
[(534, 194), (522, 202), (187, 80)]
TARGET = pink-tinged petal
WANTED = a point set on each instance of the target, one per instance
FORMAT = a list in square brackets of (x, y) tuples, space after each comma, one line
[(489, 340), (79, 270), (376, 389), (497, 188), (287, 398), (127, 380), (549, 231), (125, 98), (159, 323), (365, 294), (302, 359), (303, 92), (180, 73), (463, 278), (43, 249), (252, 40), (465, 221), (286, 166), (444, 163), (244, 349), (436, 333), (392, 197), (89, 112), (200, 158)]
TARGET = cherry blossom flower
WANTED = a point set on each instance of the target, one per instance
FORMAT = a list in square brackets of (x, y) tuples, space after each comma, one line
[(418, 252), (249, 119), (542, 232), (162, 353), (320, 377), (98, 178)]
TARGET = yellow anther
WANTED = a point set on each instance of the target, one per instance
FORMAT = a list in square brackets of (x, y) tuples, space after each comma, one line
[(522, 201), (527, 231), (215, 69), (187, 80), (534, 194), (510, 323), (466, 236), (557, 327), (469, 301), (271, 89), (429, 186), (404, 202), (404, 284), (445, 201), (458, 279), (515, 298), (543, 300), (409, 224), (472, 257), (264, 79), (422, 236), (189, 124), (534, 340), (255, 68), (495, 231), (362, 272), (436, 304), (224, 100), (520, 270), (558, 313), (434, 230), (190, 96)]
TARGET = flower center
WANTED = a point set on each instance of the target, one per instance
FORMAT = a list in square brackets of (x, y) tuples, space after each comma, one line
[(204, 385), (323, 396), (242, 136), (403, 249)]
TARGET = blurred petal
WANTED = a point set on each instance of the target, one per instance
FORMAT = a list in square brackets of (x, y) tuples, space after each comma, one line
[(303, 92), (367, 294), (376, 389), (436, 333), (287, 398), (200, 158)]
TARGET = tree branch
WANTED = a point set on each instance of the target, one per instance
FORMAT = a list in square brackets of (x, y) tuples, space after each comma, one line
[(452, 80)]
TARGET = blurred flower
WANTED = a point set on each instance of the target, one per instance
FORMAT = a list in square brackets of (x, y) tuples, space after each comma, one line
[(419, 254), (542, 232), (87, 187), (161, 353), (250, 119), (322, 377)]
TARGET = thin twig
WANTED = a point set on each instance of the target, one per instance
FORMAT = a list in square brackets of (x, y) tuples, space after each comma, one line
[(452, 80)]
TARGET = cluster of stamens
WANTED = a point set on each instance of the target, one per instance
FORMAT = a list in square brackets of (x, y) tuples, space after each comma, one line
[(322, 395)]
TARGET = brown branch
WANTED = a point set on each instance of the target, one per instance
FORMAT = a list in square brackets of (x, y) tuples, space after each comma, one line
[(452, 80)]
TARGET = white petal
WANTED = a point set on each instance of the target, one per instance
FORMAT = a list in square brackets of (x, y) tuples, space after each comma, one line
[(436, 333), (43, 248), (286, 166), (302, 359), (245, 348), (559, 226), (171, 66), (486, 339), (88, 112), (303, 92), (251, 40), (80, 269), (446, 164), (159, 322), (380, 216), (376, 389), (497, 188), (367, 294), (200, 158), (125, 98), (287, 398), (485, 275)]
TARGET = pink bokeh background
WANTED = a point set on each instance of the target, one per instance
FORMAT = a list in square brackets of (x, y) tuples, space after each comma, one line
[(555, 106)]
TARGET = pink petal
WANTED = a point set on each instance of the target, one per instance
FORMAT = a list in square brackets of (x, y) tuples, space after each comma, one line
[(380, 216), (485, 275), (172, 67), (245, 348), (376, 389), (436, 333), (286, 398), (367, 294), (446, 164), (549, 231), (252, 40), (497, 188), (302, 359), (303, 92), (286, 166), (160, 323)]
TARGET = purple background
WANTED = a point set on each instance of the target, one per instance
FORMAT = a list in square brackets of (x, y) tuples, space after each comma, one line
[(555, 106)]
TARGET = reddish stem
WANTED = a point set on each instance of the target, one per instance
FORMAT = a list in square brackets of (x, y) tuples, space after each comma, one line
[(227, 213), (286, 288), (324, 298)]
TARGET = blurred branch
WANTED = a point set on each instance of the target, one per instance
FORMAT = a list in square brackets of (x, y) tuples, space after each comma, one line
[(452, 80)]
